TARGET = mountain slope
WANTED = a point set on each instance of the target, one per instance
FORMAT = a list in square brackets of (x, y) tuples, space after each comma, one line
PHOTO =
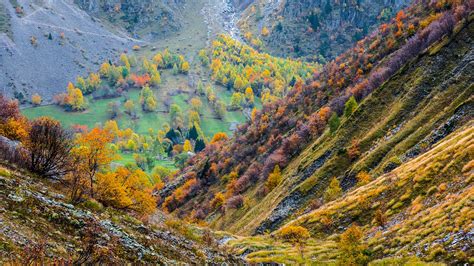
[(38, 224), (427, 204), (315, 29), (148, 19), (412, 99), (51, 42), (291, 133)]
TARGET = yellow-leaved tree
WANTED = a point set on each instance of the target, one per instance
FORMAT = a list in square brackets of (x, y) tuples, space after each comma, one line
[(36, 99), (93, 153), (126, 189)]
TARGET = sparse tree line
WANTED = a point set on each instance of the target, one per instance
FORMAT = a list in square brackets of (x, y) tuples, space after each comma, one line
[(127, 73)]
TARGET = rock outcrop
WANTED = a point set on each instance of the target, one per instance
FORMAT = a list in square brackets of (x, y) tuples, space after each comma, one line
[(316, 28)]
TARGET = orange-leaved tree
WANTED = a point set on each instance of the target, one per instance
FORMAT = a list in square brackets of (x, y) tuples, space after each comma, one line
[(126, 189), (93, 153)]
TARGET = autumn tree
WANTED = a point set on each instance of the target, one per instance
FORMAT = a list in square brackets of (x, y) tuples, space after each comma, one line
[(184, 67), (203, 57), (49, 147), (249, 95), (219, 136), (193, 134), (176, 116), (350, 106), (333, 191), (129, 107), (354, 150), (265, 32), (380, 218), (193, 118), (36, 99), (104, 69), (196, 104), (93, 153), (236, 100), (274, 178), (155, 77), (199, 146), (75, 100), (363, 178), (352, 247), (147, 99), (126, 189), (187, 147), (218, 201), (295, 235)]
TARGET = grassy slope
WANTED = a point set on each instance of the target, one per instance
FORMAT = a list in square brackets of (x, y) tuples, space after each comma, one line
[(424, 217), (97, 111), (396, 117)]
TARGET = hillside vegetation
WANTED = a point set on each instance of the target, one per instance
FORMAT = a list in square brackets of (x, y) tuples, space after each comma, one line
[(426, 211), (316, 30), (376, 122), (203, 147), (39, 225)]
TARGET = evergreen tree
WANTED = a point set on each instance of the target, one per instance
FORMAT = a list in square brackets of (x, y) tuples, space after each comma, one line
[(200, 145), (193, 134)]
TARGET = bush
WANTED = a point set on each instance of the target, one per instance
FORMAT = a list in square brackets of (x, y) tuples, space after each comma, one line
[(235, 202), (333, 191), (391, 164), (49, 147), (352, 248)]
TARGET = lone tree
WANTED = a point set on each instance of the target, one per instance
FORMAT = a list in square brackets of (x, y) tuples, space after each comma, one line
[(350, 106), (295, 235), (333, 191), (49, 147), (352, 247)]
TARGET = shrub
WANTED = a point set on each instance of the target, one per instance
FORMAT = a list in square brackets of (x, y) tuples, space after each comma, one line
[(218, 201), (235, 202), (352, 248), (49, 147), (274, 178), (333, 191)]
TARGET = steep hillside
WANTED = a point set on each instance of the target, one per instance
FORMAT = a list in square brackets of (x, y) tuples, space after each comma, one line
[(412, 100), (423, 208), (237, 185), (319, 30), (48, 43), (145, 18), (38, 224)]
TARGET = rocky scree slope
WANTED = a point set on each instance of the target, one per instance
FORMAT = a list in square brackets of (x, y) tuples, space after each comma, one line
[(46, 44), (319, 30), (37, 222), (145, 18)]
